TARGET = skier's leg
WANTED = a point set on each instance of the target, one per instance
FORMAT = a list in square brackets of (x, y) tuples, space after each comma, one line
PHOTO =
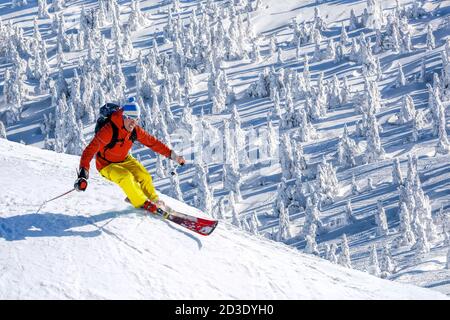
[(125, 179), (142, 176)]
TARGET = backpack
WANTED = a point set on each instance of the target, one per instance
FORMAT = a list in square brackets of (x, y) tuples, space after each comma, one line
[(105, 117)]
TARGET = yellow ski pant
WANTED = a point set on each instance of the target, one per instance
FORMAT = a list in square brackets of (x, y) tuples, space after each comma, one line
[(134, 180)]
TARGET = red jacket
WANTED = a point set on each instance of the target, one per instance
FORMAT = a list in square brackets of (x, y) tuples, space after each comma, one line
[(119, 152)]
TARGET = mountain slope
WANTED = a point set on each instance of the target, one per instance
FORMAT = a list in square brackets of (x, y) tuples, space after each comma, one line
[(93, 245)]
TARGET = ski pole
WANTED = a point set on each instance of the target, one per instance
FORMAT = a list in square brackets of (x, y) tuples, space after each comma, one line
[(61, 195), (173, 172)]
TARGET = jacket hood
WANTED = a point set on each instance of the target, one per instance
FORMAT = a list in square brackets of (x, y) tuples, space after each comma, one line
[(117, 118)]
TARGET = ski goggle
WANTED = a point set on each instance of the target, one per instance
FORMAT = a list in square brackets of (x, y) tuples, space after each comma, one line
[(131, 117)]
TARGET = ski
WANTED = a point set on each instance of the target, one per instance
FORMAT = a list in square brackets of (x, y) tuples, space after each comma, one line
[(199, 225)]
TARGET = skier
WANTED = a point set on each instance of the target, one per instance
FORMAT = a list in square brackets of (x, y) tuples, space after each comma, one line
[(111, 146)]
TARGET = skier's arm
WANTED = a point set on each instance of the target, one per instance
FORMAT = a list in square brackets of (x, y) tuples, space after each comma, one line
[(98, 142), (151, 142)]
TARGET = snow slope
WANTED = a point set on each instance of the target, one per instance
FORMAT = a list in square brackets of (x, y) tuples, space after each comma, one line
[(92, 245)]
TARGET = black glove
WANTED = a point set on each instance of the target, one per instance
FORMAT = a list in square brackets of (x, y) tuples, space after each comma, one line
[(81, 183)]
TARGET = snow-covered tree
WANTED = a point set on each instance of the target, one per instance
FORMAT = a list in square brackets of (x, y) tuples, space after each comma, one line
[(400, 80), (18, 3), (235, 220), (373, 267), (370, 185), (445, 223), (407, 237), (272, 45), (406, 42), (443, 146), (378, 47), (286, 157), (430, 41), (433, 100), (284, 231), (346, 94), (43, 9), (347, 149), (280, 59), (299, 156), (318, 22), (161, 129), (272, 141), (14, 93), (187, 119), (334, 93), (255, 54), (127, 46), (332, 255), (232, 180), (387, 264), (423, 213), (407, 110), (365, 18), (327, 183), (327, 251), (365, 56), (330, 51), (423, 70), (311, 244), (221, 209), (397, 178), (340, 53), (305, 131), (175, 190), (344, 36), (355, 187), (238, 136), (311, 217), (374, 149), (136, 18), (378, 70), (349, 216), (354, 21), (282, 197), (437, 85), (375, 11), (290, 117), (417, 124), (60, 122), (418, 205), (41, 68), (159, 167), (74, 141), (422, 245), (166, 110), (317, 55), (261, 88), (2, 131), (381, 220), (344, 256), (254, 223), (447, 266), (58, 5), (354, 51)]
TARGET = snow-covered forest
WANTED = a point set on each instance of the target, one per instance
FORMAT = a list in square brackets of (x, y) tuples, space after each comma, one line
[(321, 124)]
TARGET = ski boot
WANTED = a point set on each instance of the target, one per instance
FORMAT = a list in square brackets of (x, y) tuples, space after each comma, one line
[(152, 206)]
